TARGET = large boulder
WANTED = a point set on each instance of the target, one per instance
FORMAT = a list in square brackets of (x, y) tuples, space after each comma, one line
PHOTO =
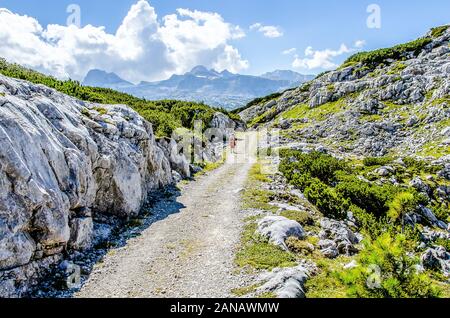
[(278, 228), (178, 161), (63, 161), (431, 218), (222, 122)]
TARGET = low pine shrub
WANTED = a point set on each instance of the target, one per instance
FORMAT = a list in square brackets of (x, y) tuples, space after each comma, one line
[(326, 199), (386, 270)]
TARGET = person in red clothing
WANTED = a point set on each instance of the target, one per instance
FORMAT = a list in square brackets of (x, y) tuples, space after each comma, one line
[(233, 143)]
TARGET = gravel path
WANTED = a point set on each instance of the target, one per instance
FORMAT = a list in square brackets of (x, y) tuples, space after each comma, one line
[(188, 254)]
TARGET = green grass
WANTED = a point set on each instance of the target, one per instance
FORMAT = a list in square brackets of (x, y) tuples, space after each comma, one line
[(257, 199), (302, 217), (377, 161), (257, 253), (267, 295), (242, 291), (442, 100), (255, 174), (397, 68), (255, 250), (253, 196), (327, 284), (316, 114), (267, 116), (390, 106), (211, 166), (372, 118), (86, 112), (435, 150)]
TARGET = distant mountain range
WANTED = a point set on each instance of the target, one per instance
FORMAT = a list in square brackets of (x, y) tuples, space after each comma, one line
[(220, 89)]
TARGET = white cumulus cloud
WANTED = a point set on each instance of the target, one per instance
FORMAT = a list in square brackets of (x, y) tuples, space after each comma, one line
[(323, 59), (143, 47), (269, 31), (194, 38)]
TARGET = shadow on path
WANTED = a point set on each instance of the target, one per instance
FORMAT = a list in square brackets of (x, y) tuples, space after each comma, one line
[(160, 205)]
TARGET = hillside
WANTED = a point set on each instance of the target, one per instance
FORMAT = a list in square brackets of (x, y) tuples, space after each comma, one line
[(389, 101), (165, 115), (361, 204), (220, 89)]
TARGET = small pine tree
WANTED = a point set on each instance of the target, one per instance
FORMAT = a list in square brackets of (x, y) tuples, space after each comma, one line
[(387, 271)]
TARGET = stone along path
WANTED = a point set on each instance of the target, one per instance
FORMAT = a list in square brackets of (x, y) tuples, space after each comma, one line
[(191, 252)]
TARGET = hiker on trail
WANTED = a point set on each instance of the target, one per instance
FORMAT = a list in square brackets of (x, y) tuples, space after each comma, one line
[(233, 142)]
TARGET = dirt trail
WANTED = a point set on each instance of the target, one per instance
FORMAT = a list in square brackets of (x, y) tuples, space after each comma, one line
[(189, 253)]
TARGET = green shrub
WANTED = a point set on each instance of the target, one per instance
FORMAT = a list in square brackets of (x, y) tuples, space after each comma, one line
[(418, 166), (316, 164), (328, 183), (376, 161), (387, 271), (442, 211), (403, 203), (376, 57), (325, 198), (369, 225), (301, 181), (438, 31), (369, 197)]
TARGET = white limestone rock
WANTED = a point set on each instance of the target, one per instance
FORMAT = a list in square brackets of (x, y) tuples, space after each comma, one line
[(278, 228), (60, 159)]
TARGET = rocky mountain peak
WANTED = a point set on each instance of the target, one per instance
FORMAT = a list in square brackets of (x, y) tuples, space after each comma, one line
[(101, 78), (202, 71)]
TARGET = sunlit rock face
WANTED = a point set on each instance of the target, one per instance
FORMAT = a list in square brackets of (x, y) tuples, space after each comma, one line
[(63, 162)]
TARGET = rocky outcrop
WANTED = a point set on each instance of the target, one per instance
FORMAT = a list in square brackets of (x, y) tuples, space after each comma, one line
[(273, 107), (397, 105), (178, 161), (222, 122), (278, 228), (437, 258), (285, 282), (63, 162), (337, 239)]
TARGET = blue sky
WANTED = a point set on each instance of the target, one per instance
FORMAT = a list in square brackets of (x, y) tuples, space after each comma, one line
[(321, 25)]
